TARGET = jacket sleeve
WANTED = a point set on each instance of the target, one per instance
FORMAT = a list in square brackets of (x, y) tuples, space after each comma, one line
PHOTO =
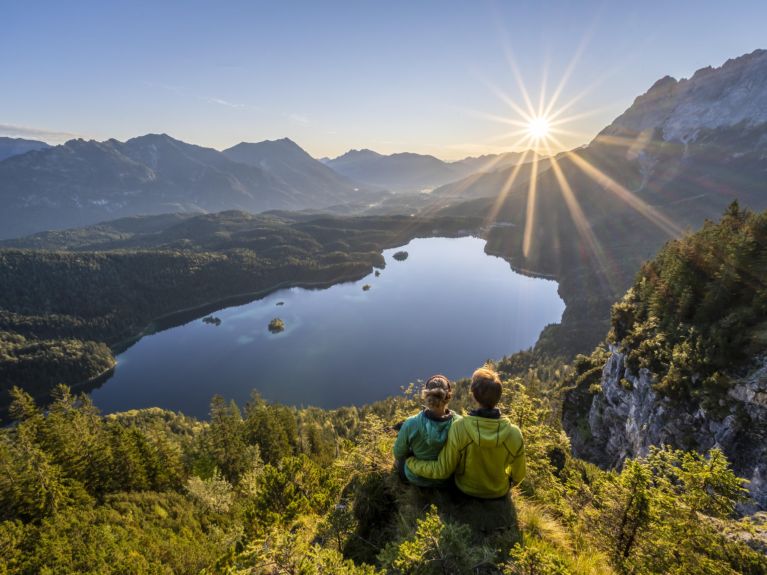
[(445, 463), (402, 445), (517, 469)]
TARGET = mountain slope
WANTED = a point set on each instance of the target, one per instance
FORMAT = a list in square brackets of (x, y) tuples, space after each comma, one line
[(408, 172), (491, 162), (405, 172), (83, 182), (16, 146), (291, 165)]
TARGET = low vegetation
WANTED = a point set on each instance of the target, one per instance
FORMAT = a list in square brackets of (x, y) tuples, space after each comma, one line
[(268, 489), (698, 309)]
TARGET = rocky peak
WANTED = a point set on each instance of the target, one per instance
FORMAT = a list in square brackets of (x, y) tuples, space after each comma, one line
[(733, 94)]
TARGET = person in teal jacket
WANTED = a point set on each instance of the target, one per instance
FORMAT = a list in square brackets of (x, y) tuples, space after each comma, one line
[(484, 451), (424, 434)]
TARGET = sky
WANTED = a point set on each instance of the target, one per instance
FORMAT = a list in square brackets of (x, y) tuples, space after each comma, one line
[(429, 77)]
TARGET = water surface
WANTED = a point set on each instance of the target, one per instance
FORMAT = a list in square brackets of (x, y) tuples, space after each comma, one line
[(445, 309)]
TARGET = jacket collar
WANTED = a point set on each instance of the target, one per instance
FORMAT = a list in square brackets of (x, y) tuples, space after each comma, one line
[(488, 413), (448, 415)]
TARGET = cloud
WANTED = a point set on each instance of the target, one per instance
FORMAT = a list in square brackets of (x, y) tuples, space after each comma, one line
[(298, 118), (182, 91), (221, 102), (226, 103), (49, 136)]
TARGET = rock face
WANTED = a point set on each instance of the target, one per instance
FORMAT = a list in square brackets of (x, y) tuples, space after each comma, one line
[(713, 98), (626, 417)]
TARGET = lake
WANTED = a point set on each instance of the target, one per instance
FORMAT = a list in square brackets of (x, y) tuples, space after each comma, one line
[(446, 309)]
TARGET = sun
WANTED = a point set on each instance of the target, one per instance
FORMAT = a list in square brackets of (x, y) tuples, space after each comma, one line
[(538, 128)]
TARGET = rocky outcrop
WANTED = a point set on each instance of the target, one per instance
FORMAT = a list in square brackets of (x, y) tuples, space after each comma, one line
[(625, 417), (733, 94)]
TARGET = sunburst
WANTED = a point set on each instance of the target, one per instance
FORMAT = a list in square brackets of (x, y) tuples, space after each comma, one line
[(537, 130)]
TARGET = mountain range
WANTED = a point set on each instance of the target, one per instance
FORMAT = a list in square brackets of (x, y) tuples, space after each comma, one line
[(702, 139), (409, 172), (84, 182), (677, 156)]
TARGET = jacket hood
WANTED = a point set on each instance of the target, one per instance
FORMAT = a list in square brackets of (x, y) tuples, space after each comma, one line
[(434, 432), (487, 432)]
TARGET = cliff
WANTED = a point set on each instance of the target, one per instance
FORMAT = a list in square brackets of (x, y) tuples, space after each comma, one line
[(625, 416)]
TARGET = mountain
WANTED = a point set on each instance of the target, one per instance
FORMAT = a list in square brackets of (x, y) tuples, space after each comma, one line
[(408, 172), (16, 146), (492, 162), (712, 99), (404, 172), (683, 139), (84, 182), (286, 161)]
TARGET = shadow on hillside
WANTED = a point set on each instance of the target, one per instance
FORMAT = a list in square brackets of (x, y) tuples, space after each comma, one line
[(385, 507)]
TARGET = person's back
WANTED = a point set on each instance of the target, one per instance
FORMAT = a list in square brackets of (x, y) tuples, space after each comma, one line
[(483, 449), (423, 435)]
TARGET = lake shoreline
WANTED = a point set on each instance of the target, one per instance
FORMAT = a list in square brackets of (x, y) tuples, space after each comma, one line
[(178, 317)]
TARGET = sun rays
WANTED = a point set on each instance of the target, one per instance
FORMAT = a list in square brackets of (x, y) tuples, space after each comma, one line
[(537, 128)]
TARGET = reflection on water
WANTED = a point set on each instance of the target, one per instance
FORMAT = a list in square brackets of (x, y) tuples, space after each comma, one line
[(447, 308)]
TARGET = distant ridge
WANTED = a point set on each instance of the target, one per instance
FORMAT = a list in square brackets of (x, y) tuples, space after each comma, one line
[(410, 172), (17, 146), (288, 162), (83, 182)]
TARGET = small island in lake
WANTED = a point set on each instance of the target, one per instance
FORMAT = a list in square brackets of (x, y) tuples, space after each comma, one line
[(280, 303), (366, 287), (212, 320), (276, 325), (378, 273), (400, 256)]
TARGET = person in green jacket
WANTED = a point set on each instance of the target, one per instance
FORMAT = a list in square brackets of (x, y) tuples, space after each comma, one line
[(484, 450), (424, 434)]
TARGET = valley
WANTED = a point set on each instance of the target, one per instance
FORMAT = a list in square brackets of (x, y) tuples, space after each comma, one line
[(206, 354)]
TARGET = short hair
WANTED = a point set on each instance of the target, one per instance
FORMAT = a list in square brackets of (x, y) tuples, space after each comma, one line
[(437, 392), (486, 387)]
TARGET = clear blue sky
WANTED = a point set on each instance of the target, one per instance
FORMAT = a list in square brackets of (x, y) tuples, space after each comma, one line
[(388, 75)]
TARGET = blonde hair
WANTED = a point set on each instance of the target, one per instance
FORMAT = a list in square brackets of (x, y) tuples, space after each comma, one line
[(486, 387), (436, 393)]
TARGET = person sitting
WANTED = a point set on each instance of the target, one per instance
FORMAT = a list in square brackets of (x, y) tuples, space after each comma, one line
[(424, 434), (484, 449)]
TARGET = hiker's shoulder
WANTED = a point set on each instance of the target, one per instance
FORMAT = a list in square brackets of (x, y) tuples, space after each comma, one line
[(511, 432), (456, 417), (412, 421)]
